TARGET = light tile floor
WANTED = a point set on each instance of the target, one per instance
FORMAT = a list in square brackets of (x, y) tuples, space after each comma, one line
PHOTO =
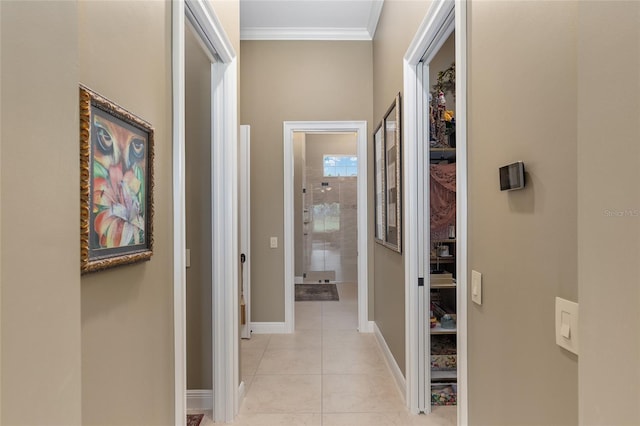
[(325, 374)]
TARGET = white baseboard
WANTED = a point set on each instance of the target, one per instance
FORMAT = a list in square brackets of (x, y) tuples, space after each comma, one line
[(268, 328), (298, 280), (391, 362), (369, 327), (199, 399), (242, 390)]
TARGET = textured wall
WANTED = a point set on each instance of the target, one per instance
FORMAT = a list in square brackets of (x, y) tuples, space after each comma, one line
[(127, 312), (522, 104), (40, 276), (608, 212)]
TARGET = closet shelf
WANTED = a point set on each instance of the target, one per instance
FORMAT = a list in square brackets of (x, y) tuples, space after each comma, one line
[(444, 374), (436, 154), (450, 285), (439, 330), (441, 259)]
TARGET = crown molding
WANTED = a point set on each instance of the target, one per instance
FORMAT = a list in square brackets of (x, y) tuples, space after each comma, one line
[(265, 33), (374, 17)]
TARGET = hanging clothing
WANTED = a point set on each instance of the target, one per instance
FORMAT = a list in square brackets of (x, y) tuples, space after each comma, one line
[(443, 199)]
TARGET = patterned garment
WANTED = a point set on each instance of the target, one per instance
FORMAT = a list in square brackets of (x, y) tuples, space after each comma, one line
[(194, 419), (443, 199)]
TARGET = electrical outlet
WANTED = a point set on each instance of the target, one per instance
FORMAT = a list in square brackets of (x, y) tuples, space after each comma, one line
[(273, 242)]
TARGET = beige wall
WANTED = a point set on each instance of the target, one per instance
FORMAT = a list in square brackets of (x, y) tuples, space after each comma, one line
[(522, 103), (286, 81), (228, 13), (608, 209), (109, 333), (40, 276), (127, 312), (0, 212), (397, 27), (198, 210)]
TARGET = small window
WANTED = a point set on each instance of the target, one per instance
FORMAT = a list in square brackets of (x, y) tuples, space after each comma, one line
[(340, 165)]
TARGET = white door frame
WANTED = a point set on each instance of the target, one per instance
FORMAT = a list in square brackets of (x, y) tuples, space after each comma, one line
[(428, 40), (224, 135), (360, 128)]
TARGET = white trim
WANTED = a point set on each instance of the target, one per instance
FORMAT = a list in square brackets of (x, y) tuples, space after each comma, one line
[(391, 361), (429, 38), (298, 280), (291, 33), (371, 326), (410, 154), (199, 399), (179, 231), (224, 208), (269, 328), (462, 191), (360, 128), (242, 392), (209, 29), (374, 17), (438, 18)]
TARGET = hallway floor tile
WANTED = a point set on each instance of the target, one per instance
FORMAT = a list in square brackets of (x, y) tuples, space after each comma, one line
[(324, 374)]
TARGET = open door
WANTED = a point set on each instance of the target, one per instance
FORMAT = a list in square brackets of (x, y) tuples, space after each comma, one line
[(245, 232)]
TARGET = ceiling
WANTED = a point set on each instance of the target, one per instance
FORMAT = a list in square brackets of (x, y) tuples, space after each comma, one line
[(309, 19)]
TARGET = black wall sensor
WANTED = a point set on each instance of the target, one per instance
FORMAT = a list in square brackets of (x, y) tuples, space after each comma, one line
[(512, 176)]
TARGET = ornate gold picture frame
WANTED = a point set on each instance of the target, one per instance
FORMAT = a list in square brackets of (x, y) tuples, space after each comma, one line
[(116, 184)]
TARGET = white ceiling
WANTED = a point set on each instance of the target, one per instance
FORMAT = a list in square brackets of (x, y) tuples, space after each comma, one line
[(309, 19)]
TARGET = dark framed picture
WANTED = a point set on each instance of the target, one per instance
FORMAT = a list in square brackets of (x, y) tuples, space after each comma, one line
[(379, 183), (393, 172), (116, 185)]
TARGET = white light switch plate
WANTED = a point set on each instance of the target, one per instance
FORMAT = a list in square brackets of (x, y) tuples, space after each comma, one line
[(476, 287), (567, 324), (274, 242)]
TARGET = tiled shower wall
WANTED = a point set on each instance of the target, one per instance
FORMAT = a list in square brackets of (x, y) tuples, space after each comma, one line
[(330, 229)]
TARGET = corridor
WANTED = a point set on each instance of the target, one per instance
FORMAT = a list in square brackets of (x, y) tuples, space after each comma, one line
[(325, 374)]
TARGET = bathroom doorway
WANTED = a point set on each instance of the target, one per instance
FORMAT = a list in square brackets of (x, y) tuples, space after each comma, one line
[(326, 206), (332, 205)]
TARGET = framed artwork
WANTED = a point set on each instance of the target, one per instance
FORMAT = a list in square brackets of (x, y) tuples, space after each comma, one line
[(379, 183), (116, 185), (393, 171)]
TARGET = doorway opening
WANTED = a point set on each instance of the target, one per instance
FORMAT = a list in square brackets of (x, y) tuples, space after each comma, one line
[(331, 203), (225, 396), (436, 260), (325, 192)]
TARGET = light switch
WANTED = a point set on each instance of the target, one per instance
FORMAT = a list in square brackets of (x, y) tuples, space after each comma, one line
[(567, 324), (476, 287), (274, 242), (188, 258), (565, 329)]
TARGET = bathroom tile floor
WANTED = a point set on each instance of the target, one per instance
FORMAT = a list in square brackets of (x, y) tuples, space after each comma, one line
[(325, 374)]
